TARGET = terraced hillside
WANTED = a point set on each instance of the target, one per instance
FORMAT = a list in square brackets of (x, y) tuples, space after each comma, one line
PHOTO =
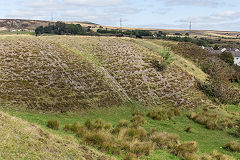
[(69, 73), (23, 140)]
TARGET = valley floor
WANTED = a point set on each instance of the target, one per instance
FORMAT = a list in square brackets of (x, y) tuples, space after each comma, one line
[(208, 140)]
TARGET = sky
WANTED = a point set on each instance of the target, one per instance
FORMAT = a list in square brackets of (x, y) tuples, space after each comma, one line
[(162, 14)]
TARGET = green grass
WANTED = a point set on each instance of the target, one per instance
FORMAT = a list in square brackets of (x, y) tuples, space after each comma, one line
[(208, 140)]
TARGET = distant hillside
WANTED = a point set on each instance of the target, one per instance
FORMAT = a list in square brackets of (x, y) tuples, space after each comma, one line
[(13, 24), (22, 24)]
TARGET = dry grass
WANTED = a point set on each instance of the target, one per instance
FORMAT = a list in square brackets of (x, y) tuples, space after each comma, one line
[(232, 146), (212, 120), (53, 124), (164, 114)]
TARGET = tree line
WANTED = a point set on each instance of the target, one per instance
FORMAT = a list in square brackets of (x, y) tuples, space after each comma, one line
[(61, 28)]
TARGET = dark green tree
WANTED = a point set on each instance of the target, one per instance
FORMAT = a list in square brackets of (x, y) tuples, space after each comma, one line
[(227, 57)]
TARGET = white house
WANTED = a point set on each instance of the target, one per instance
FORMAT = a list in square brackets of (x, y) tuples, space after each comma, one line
[(236, 56)]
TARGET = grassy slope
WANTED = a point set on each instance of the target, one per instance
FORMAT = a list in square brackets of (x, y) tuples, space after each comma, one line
[(208, 140), (183, 63), (23, 140)]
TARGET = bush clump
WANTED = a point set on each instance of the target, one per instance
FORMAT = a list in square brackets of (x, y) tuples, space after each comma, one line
[(212, 120), (53, 124), (232, 146), (164, 114)]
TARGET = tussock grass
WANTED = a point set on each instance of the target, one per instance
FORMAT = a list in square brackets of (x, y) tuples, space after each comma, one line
[(164, 140), (232, 146), (185, 149), (53, 124), (212, 120), (164, 114)]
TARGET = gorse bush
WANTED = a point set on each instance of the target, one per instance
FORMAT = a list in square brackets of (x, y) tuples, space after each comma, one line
[(212, 120), (164, 114), (53, 124), (232, 146)]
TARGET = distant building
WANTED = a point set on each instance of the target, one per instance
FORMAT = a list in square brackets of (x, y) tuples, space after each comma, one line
[(3, 29), (223, 49), (211, 50), (236, 56)]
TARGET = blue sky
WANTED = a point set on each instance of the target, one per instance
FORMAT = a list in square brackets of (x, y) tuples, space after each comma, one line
[(163, 14)]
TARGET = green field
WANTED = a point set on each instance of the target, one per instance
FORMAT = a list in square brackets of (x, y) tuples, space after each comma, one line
[(208, 140)]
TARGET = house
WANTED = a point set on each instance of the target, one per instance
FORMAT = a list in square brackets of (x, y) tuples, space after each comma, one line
[(236, 56), (3, 29), (211, 50), (223, 49)]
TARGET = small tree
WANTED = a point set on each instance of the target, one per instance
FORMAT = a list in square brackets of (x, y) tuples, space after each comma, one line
[(227, 57), (216, 47)]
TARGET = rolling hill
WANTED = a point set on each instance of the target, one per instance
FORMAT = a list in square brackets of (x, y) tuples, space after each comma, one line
[(72, 73), (126, 98)]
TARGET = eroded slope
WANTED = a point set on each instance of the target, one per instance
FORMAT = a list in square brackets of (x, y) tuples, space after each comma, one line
[(43, 75)]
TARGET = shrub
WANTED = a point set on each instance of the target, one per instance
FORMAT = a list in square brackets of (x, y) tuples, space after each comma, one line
[(53, 124), (186, 149), (227, 57), (164, 140), (232, 146)]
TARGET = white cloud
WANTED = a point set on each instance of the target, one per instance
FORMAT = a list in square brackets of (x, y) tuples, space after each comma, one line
[(214, 18), (199, 3), (94, 2)]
